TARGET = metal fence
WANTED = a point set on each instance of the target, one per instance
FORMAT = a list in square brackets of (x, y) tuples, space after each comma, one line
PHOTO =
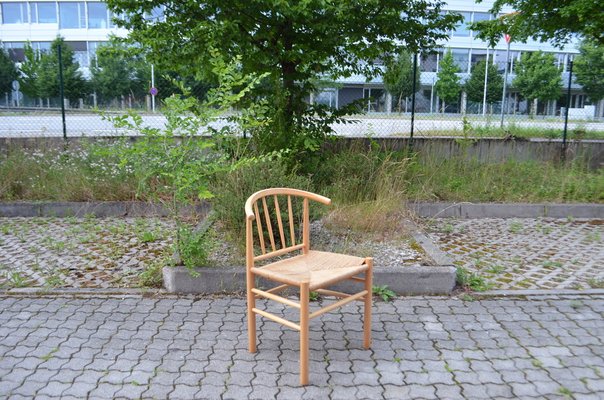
[(498, 111)]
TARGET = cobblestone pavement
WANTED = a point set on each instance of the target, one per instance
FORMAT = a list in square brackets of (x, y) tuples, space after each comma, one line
[(185, 348), (526, 253), (79, 252)]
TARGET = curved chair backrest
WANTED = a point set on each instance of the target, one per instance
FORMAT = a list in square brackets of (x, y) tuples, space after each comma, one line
[(265, 209)]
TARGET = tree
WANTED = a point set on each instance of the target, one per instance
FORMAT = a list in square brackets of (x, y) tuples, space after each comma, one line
[(448, 86), (29, 70), (589, 70), (295, 42), (398, 78), (543, 20), (40, 73), (537, 78), (8, 72), (74, 84), (112, 75), (474, 86)]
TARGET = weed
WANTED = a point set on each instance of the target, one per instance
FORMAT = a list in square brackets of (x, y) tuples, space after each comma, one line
[(516, 226), (147, 236), (547, 230), (495, 269), (152, 275), (596, 283), (575, 304), (54, 280), (397, 359), (471, 281), (552, 264), (537, 363), (5, 229), (448, 228), (49, 355), (593, 237), (58, 246), (383, 292), (448, 368), (566, 392), (314, 296), (17, 279), (194, 246), (467, 297)]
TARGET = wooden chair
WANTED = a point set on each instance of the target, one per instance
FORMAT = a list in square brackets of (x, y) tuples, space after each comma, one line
[(309, 270)]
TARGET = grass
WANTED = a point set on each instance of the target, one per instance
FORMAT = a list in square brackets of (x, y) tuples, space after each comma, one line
[(368, 184), (470, 281), (510, 181), (91, 172)]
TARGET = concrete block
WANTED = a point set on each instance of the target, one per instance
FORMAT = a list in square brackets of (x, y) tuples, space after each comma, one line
[(413, 280), (206, 280), (436, 210), (574, 210), (493, 210), (19, 209), (81, 209)]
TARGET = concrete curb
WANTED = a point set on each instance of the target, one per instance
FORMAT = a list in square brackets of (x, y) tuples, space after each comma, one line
[(538, 292), (422, 209), (413, 280), (161, 293), (507, 210), (84, 292), (403, 280), (98, 209)]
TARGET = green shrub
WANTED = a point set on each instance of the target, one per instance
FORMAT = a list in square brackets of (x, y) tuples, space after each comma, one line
[(232, 188)]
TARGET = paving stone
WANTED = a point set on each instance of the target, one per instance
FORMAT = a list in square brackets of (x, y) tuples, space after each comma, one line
[(395, 368), (525, 253)]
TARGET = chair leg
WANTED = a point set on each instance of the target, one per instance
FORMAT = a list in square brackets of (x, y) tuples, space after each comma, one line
[(304, 322), (368, 301), (251, 316)]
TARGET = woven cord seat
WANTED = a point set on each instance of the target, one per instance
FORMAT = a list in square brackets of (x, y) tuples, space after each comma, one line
[(266, 214)]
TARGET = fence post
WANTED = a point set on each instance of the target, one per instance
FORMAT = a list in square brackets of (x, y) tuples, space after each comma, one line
[(413, 100), (61, 91), (570, 80)]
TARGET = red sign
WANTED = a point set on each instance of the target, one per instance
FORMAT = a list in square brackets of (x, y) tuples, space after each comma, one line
[(508, 38)]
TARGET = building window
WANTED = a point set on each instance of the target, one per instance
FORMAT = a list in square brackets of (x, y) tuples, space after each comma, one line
[(92, 47), (72, 16), (44, 13), (429, 62), (15, 50), (80, 53), (41, 47), (477, 56), (461, 57), (14, 13), (461, 29), (376, 99), (328, 97), (478, 16), (97, 16)]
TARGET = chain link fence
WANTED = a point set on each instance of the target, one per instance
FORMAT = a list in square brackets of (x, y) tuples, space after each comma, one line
[(450, 99)]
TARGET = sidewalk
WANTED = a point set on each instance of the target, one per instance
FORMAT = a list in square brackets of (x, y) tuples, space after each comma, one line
[(134, 347)]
